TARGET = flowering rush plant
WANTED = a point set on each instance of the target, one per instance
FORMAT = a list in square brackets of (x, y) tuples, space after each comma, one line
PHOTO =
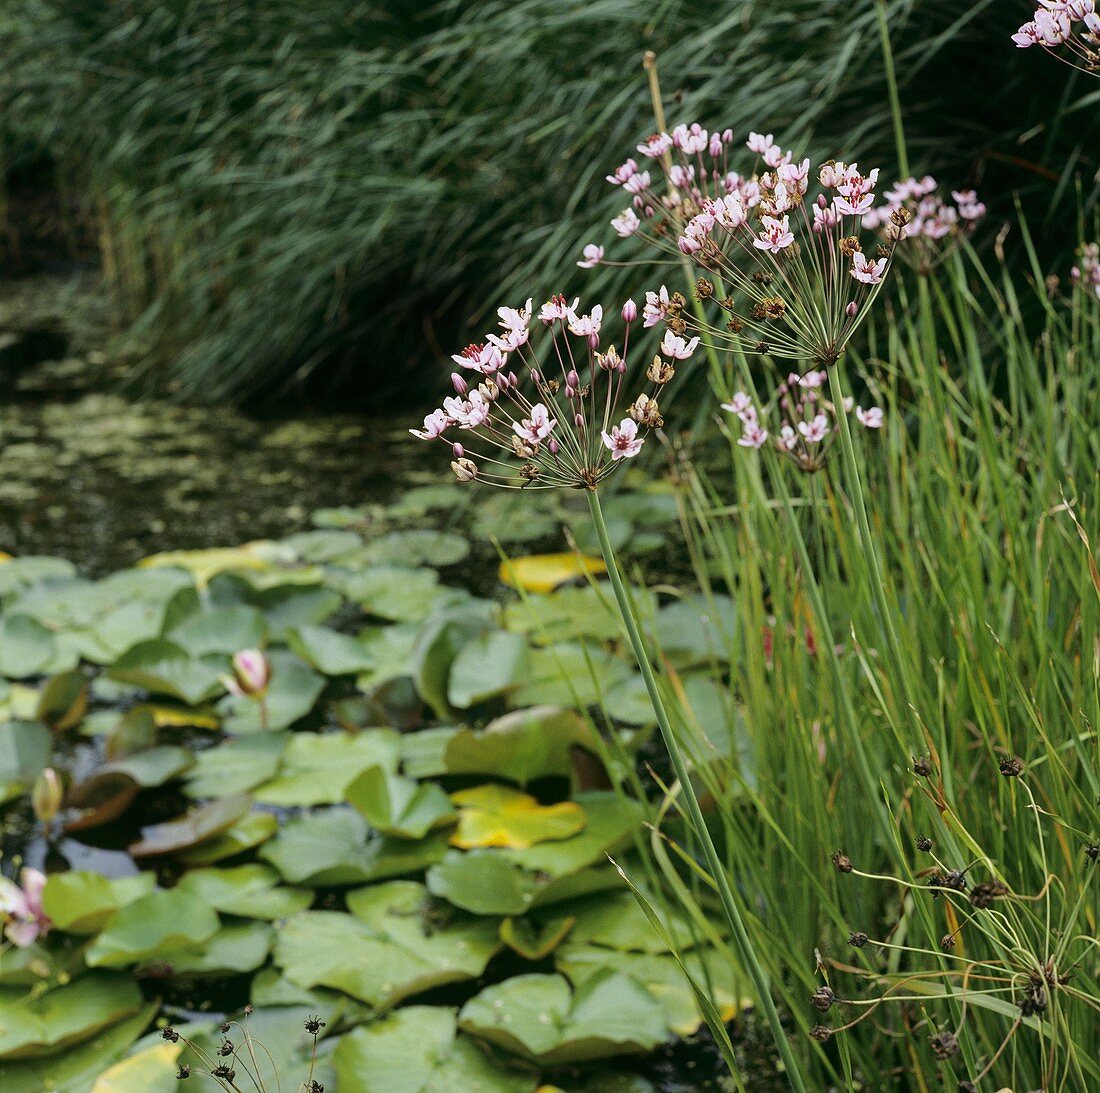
[(935, 226), (1087, 271), (523, 416), (807, 420), (790, 272), (1066, 29)]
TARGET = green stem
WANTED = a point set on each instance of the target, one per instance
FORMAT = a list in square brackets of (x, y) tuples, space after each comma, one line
[(892, 87), (718, 872)]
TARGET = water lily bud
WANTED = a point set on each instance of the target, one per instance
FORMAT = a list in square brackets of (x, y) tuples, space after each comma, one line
[(630, 311), (46, 795), (251, 673), (461, 386)]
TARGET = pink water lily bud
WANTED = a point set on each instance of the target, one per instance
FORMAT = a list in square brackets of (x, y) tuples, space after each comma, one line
[(46, 795), (251, 674), (21, 908)]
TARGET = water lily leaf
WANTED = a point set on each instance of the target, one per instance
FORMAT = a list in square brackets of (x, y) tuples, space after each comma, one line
[(661, 978), (323, 545), (17, 573), (387, 949), (25, 749), (611, 821), (152, 1071), (615, 921), (291, 606), (247, 891), (541, 573), (250, 831), (292, 693), (154, 926), (37, 963), (238, 949), (569, 674), (535, 939), (152, 767), (235, 766), (193, 828), (329, 651), (99, 800), (423, 753), (27, 648), (445, 634), (696, 630), (204, 565), (522, 745), (540, 1019), (418, 1050), (223, 630), (421, 500), (389, 651), (81, 902), (76, 1068), (319, 768), (63, 701), (32, 1026), (629, 702), (421, 546), (398, 806), (486, 666), (335, 847), (494, 815), (162, 667), (393, 592)]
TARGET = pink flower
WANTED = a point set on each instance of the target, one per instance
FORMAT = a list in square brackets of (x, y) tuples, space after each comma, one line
[(676, 347), (775, 235), (871, 417), (536, 427), (753, 435), (759, 142), (1052, 27), (655, 145), (795, 175), (637, 183), (626, 223), (870, 273), (434, 425), (485, 358), (593, 256), (558, 308), (21, 908), (467, 413), (623, 442), (587, 325), (623, 173), (825, 218), (1027, 36), (251, 674), (513, 318), (729, 211), (656, 304), (739, 404), (788, 438), (814, 431)]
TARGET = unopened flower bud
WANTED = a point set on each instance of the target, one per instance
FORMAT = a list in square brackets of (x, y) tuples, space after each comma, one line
[(457, 450), (578, 420), (46, 795), (251, 674), (630, 311), (461, 386), (822, 203), (570, 391), (593, 340), (851, 310), (572, 379), (552, 446), (465, 469)]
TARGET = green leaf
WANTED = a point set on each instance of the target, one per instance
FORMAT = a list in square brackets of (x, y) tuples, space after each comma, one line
[(237, 765), (569, 674), (335, 847), (81, 902), (533, 938), (393, 592), (18, 573), (539, 1018), (398, 806), (224, 630), (152, 1071), (696, 630), (387, 949), (389, 651), (572, 613), (442, 639), (291, 695), (419, 547), (31, 1026), (323, 545), (494, 815), (418, 1050), (64, 701), (160, 666), (616, 921), (27, 648), (25, 749), (486, 666), (248, 832), (153, 766), (423, 753), (329, 651), (191, 829), (247, 891), (154, 926), (292, 606), (319, 768), (236, 949)]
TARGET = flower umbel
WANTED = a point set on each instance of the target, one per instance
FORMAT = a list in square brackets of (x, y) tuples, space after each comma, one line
[(564, 422), (1066, 29)]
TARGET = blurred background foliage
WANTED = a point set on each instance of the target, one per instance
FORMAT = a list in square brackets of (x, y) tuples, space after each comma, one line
[(327, 196)]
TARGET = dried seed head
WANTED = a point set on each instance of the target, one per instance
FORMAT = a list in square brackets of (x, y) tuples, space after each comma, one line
[(529, 471), (1011, 768), (966, 1087), (676, 324), (762, 277), (763, 347), (770, 307), (660, 372), (226, 1048), (735, 325), (823, 999), (223, 1071), (900, 216), (858, 939), (983, 895), (704, 289), (841, 862), (944, 1045), (820, 1033), (168, 1033), (1092, 852), (183, 1071), (922, 766), (849, 245), (465, 469), (924, 842), (948, 942), (645, 411), (313, 1025)]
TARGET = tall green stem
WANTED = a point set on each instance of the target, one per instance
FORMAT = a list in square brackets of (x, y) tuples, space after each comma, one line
[(892, 88), (732, 912)]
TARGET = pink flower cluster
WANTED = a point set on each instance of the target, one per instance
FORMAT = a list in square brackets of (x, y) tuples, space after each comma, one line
[(564, 431), (801, 279), (807, 425), (1086, 273), (932, 223), (1068, 29)]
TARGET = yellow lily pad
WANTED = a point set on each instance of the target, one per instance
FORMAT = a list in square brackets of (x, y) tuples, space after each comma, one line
[(494, 815), (153, 1069), (544, 572), (205, 565)]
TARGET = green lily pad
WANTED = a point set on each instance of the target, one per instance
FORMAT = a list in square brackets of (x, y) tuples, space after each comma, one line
[(336, 847), (27, 648), (251, 830), (81, 902), (444, 635), (389, 651), (25, 749), (394, 592), (534, 938), (696, 630), (292, 693), (422, 546), (387, 949), (629, 702), (539, 1018), (615, 921), (486, 666), (162, 667), (291, 606), (570, 674), (237, 765), (522, 745), (64, 701), (17, 573), (151, 767), (319, 768), (398, 806), (152, 1070), (329, 651), (570, 614), (154, 926), (423, 753), (224, 630), (32, 1026), (323, 545), (235, 949), (495, 815), (419, 1050), (247, 891), (191, 829)]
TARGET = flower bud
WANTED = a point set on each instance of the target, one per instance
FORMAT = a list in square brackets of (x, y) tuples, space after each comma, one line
[(851, 310), (461, 386), (552, 446), (630, 311), (458, 450), (578, 420), (46, 795), (251, 674), (572, 379), (822, 203), (593, 341)]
